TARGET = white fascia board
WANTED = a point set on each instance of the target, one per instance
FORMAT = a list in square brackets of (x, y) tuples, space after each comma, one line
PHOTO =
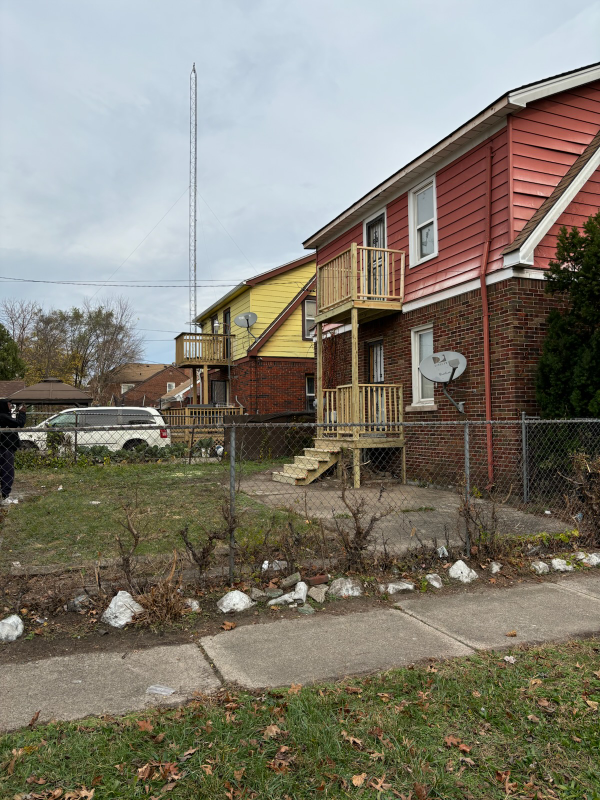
[(472, 285), (524, 255), (523, 97)]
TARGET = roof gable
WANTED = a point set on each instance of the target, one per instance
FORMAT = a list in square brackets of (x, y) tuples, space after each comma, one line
[(305, 292), (475, 130)]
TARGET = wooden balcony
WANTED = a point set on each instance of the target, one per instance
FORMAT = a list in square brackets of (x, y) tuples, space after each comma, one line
[(200, 349), (209, 420), (370, 279), (379, 412)]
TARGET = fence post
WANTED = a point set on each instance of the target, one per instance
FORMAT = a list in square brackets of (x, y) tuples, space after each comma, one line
[(467, 489), (231, 504), (525, 456)]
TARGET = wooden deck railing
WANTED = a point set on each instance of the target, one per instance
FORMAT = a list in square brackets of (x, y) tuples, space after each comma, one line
[(209, 419), (195, 349), (360, 273), (380, 410)]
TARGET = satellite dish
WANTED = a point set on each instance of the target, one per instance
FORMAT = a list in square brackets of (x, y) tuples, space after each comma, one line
[(443, 367), (246, 320)]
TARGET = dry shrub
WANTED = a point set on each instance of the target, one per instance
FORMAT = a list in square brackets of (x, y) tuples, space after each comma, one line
[(164, 601)]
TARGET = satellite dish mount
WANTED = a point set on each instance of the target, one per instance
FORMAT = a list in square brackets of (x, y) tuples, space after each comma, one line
[(246, 321), (444, 368)]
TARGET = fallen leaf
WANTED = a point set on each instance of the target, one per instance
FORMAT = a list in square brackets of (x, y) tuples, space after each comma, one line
[(468, 761), (208, 770), (421, 791), (34, 719), (592, 704), (379, 784), (464, 748), (158, 739), (294, 688), (430, 668), (511, 633), (228, 626), (375, 756), (188, 754), (271, 731), (451, 741), (597, 674), (533, 718), (576, 739), (352, 740), (238, 774), (145, 725), (492, 580), (476, 693), (358, 780)]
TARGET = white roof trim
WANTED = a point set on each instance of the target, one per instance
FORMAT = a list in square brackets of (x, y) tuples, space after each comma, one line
[(554, 85), (524, 255)]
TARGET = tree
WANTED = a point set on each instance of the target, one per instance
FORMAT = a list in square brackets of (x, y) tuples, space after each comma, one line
[(568, 376), (74, 345), (11, 366)]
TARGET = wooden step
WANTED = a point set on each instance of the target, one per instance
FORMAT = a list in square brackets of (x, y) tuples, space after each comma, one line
[(309, 463), (320, 455), (281, 477), (295, 471)]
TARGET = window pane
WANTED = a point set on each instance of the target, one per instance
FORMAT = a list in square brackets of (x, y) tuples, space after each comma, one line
[(63, 421), (426, 240), (425, 205), (425, 349), (310, 310)]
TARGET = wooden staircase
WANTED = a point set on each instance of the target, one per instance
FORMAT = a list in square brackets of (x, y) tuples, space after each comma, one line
[(308, 467)]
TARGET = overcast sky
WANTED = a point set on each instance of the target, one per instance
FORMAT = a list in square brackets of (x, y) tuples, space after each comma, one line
[(303, 106)]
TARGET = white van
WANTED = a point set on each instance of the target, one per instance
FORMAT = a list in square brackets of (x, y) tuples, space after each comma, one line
[(152, 430)]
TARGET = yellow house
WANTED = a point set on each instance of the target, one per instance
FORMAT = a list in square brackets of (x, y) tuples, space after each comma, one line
[(267, 367)]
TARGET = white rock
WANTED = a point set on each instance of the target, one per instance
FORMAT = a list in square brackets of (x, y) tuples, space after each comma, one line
[(442, 552), (297, 596), (580, 556), (11, 628), (462, 572), (121, 610), (193, 604), (495, 567), (593, 560), (234, 601), (346, 587), (540, 567), (434, 580), (317, 593), (276, 566), (560, 565), (396, 586)]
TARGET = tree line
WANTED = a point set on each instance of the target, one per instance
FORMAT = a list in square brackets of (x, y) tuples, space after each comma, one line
[(80, 346)]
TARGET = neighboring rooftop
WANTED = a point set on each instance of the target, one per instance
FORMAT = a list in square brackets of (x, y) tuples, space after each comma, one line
[(8, 387)]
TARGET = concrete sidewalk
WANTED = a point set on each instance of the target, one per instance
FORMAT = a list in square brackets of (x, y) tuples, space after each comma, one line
[(310, 649)]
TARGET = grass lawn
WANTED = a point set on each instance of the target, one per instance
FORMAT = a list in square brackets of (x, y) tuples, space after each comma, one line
[(477, 727), (81, 521)]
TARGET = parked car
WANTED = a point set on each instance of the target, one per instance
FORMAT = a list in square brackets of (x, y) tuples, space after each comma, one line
[(90, 425)]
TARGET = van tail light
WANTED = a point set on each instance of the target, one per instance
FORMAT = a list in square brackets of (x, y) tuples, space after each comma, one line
[(164, 433)]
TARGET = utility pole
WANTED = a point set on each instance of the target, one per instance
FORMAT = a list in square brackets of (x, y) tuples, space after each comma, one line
[(193, 193)]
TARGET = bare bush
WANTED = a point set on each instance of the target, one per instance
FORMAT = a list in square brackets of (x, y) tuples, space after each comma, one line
[(356, 536), (163, 602)]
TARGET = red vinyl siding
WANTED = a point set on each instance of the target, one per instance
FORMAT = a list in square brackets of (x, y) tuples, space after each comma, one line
[(340, 244), (547, 137), (586, 203)]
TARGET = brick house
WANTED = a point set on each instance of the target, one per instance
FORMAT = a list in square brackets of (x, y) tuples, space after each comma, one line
[(268, 368), (149, 392), (449, 253)]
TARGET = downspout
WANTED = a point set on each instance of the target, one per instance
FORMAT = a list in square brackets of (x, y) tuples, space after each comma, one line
[(487, 371)]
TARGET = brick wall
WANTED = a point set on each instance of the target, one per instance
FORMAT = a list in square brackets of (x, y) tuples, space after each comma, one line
[(518, 323), (268, 386), (155, 387)]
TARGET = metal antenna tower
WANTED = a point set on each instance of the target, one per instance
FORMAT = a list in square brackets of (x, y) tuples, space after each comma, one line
[(193, 192)]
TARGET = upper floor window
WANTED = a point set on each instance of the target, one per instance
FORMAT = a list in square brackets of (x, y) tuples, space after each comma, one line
[(310, 312), (125, 387), (170, 386), (422, 212)]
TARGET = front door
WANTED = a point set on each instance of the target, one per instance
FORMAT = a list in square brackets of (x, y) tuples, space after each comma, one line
[(374, 272)]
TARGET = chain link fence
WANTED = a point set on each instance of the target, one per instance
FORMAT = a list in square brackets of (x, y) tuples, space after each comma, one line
[(248, 498)]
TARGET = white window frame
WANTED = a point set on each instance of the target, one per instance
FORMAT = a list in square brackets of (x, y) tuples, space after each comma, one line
[(380, 212), (413, 240), (170, 386), (306, 330), (125, 387), (417, 400)]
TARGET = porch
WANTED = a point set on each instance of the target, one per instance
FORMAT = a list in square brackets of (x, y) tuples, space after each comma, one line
[(367, 279), (208, 418), (203, 350)]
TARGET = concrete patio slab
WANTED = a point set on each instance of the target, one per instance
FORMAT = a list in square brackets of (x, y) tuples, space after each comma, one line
[(72, 687), (324, 647), (481, 619)]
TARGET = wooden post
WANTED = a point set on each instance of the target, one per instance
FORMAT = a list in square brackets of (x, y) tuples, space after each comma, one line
[(354, 271), (194, 385), (319, 386), (205, 384), (354, 402)]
